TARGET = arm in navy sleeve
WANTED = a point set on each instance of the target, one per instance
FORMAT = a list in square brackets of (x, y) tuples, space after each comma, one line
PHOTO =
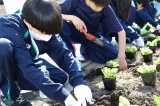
[(110, 21), (65, 60), (28, 68), (146, 17)]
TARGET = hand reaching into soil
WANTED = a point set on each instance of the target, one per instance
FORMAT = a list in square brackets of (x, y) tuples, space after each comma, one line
[(122, 62)]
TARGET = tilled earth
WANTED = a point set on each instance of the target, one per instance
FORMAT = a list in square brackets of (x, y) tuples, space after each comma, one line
[(129, 84)]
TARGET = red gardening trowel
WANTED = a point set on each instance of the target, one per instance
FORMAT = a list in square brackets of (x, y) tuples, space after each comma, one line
[(92, 38), (88, 36)]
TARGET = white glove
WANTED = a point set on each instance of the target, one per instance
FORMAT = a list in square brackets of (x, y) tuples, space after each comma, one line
[(70, 101), (140, 42), (158, 27), (83, 94)]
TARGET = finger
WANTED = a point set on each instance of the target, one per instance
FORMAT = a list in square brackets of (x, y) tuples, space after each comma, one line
[(84, 26), (77, 27), (81, 27), (83, 102), (90, 100)]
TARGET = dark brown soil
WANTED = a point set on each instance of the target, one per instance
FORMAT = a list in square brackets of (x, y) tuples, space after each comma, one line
[(129, 85)]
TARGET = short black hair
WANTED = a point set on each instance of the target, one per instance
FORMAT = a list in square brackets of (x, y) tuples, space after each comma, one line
[(101, 3), (44, 15), (123, 8), (145, 3)]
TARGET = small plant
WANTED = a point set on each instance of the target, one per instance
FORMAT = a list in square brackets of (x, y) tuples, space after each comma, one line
[(157, 99), (151, 35), (131, 49), (158, 38), (147, 69), (156, 62), (146, 51), (124, 102), (112, 63), (153, 43), (109, 73)]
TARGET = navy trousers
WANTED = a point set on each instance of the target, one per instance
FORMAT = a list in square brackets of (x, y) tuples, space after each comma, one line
[(89, 49), (9, 72)]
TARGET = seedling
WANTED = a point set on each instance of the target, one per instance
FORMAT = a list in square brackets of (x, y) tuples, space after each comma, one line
[(109, 73), (131, 49), (112, 63), (147, 69), (151, 35), (146, 51), (124, 102), (153, 43), (157, 99), (156, 62), (158, 38)]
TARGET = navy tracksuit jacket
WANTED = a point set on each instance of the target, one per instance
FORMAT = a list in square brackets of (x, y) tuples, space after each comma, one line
[(17, 61), (97, 23)]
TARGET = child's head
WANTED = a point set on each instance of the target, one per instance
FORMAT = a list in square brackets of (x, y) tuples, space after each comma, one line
[(43, 15), (144, 3), (123, 8), (97, 5)]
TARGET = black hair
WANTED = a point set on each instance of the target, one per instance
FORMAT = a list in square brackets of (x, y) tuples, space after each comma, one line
[(145, 3), (101, 3), (44, 15), (123, 8)]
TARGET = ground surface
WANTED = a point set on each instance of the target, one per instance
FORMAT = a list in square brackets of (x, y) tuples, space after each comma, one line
[(128, 83)]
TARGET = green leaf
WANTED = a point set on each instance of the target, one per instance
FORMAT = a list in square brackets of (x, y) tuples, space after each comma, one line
[(131, 49), (157, 99), (123, 101), (112, 63), (156, 62), (151, 35), (158, 38), (146, 51), (146, 69), (153, 43), (109, 73)]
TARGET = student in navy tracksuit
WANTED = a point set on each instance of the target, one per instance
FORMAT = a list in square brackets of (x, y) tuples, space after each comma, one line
[(145, 13), (23, 37), (94, 16), (123, 15)]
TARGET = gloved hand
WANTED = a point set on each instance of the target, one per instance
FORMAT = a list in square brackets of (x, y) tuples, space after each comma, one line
[(83, 94), (139, 42), (158, 27), (70, 101)]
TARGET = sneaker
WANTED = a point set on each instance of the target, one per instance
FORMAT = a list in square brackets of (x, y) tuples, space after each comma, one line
[(19, 102), (77, 52), (138, 42)]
